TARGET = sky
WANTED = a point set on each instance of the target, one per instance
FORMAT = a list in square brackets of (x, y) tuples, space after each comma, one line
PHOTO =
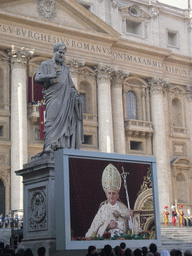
[(177, 3)]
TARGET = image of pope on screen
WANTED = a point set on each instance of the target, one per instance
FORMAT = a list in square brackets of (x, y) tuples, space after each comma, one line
[(113, 216)]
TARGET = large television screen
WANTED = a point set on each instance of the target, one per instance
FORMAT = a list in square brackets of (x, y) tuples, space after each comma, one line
[(103, 198)]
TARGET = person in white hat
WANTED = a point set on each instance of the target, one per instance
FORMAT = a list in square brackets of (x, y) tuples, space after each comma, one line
[(112, 216)]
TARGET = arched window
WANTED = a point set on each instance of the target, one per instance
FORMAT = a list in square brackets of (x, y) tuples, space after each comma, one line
[(181, 188), (2, 198), (176, 113), (131, 100)]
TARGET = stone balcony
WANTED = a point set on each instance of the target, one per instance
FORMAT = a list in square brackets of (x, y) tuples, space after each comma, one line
[(179, 132), (89, 119), (138, 128)]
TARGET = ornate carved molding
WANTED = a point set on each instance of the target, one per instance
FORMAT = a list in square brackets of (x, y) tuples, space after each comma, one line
[(114, 3), (104, 73), (147, 183), (20, 57), (73, 65), (46, 9), (157, 85), (154, 12), (118, 77), (86, 72)]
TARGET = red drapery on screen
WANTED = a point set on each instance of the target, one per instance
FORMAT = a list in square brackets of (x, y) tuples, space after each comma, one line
[(42, 120), (34, 91)]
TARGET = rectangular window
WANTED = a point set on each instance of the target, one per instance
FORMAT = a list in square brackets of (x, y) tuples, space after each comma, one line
[(134, 27), (172, 38), (88, 139), (136, 145), (1, 131)]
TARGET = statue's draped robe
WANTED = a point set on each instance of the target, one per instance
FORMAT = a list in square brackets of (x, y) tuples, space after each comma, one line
[(105, 215), (63, 116)]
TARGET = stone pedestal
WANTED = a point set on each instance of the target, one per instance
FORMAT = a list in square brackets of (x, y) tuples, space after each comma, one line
[(39, 211), (39, 227)]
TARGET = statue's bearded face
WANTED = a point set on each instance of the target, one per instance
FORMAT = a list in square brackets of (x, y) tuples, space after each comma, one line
[(60, 55), (112, 196)]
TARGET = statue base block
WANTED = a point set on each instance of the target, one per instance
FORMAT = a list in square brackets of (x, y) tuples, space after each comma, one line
[(39, 206)]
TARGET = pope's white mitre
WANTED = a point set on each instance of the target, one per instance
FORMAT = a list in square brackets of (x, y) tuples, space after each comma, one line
[(111, 178)]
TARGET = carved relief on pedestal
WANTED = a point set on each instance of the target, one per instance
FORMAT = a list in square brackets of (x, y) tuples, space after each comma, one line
[(37, 209)]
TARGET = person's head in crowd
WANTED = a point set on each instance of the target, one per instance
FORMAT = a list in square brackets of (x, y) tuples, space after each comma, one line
[(107, 249), (187, 253), (92, 250), (117, 251), (123, 245), (178, 253), (20, 252), (41, 251), (172, 252), (128, 252), (165, 253), (149, 254), (153, 248), (28, 252), (144, 250), (137, 252)]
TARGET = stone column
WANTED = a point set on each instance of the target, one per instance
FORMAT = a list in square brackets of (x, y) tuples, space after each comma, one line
[(105, 109), (73, 65), (19, 58), (117, 112), (159, 141)]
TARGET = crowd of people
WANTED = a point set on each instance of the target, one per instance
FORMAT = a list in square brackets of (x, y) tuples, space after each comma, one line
[(11, 221), (8, 251), (121, 250)]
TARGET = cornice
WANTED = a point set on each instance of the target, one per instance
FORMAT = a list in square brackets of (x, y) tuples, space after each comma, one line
[(141, 47), (177, 58)]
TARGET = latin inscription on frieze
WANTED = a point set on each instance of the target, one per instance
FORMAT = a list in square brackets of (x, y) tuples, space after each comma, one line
[(52, 39)]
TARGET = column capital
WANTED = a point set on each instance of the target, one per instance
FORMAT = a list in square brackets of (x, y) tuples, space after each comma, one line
[(117, 78), (20, 56), (73, 65), (104, 73), (158, 85)]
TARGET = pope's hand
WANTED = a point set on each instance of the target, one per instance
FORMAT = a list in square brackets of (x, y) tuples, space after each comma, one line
[(113, 224)]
